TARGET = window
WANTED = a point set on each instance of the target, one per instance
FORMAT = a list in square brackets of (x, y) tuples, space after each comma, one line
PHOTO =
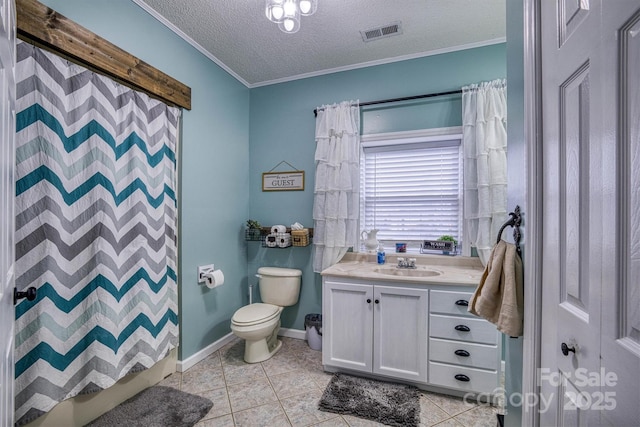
[(411, 185)]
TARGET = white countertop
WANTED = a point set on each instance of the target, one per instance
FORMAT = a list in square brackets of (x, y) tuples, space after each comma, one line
[(445, 270)]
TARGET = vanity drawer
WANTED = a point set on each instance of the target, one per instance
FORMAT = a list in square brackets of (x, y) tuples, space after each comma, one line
[(444, 302), (479, 330), (479, 355), (462, 378)]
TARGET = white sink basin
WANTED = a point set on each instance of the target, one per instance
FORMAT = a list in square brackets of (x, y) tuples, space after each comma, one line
[(419, 271)]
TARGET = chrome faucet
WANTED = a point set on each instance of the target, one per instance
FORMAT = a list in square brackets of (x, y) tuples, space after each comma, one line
[(406, 263)]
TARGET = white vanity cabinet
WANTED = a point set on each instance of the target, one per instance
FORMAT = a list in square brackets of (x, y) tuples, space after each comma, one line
[(375, 328), (464, 350), (420, 333)]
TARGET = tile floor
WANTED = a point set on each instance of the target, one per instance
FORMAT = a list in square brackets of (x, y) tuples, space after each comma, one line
[(285, 390)]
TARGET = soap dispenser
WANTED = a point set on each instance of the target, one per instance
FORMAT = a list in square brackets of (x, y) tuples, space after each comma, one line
[(381, 255)]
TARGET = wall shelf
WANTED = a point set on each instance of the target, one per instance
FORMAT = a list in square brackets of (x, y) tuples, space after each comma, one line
[(260, 235)]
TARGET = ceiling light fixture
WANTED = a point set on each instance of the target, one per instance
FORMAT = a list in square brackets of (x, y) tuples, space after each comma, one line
[(286, 13)]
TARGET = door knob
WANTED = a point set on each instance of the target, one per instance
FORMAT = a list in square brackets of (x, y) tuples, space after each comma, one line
[(29, 294), (377, 301), (368, 300), (566, 349)]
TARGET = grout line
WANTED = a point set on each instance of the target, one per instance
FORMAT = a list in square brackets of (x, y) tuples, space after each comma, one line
[(226, 386), (274, 390), (299, 356)]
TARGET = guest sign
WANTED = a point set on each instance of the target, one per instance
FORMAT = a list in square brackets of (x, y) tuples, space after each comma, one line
[(283, 181)]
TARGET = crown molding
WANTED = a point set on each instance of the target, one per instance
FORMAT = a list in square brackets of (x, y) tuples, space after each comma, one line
[(222, 65)]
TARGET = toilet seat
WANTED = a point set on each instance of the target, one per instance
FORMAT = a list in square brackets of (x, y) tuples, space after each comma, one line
[(254, 314)]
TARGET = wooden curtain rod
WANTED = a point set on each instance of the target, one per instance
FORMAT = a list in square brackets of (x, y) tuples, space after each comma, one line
[(44, 26), (406, 98)]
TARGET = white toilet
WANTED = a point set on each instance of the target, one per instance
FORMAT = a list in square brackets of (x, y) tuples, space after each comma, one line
[(258, 324)]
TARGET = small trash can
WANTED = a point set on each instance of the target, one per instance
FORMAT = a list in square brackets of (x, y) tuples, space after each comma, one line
[(313, 328)]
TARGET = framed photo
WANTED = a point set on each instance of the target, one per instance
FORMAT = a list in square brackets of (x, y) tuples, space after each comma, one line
[(283, 181)]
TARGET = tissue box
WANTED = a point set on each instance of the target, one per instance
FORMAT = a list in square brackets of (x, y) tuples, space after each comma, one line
[(300, 237)]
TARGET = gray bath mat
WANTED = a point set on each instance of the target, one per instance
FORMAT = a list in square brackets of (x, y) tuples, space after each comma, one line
[(157, 406), (387, 403)]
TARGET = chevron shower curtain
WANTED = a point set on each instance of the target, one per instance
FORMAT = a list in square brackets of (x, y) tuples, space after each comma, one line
[(95, 231)]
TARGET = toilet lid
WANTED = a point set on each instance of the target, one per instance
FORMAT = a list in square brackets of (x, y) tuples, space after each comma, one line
[(255, 313)]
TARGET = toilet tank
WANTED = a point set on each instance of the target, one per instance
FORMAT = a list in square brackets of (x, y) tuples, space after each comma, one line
[(279, 286)]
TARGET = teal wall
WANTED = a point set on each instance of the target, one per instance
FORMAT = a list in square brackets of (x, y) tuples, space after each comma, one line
[(282, 127), (214, 159), (233, 134)]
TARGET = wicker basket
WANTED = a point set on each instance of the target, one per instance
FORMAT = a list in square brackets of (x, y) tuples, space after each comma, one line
[(300, 237)]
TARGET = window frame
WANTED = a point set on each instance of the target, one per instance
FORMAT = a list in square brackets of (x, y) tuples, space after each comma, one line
[(415, 137)]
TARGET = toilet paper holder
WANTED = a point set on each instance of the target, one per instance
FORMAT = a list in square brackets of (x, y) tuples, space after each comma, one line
[(203, 270), (210, 277)]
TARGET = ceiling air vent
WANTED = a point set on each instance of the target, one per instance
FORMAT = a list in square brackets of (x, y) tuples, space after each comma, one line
[(388, 30)]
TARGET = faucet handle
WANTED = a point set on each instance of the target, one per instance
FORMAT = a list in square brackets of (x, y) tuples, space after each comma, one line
[(401, 262), (412, 262)]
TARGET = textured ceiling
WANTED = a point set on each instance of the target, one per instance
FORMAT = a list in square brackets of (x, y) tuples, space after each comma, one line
[(237, 35)]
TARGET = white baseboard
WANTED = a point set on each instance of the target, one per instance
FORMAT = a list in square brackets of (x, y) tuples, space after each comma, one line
[(183, 365), (293, 333)]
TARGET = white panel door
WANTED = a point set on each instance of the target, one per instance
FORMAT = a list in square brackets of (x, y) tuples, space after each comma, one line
[(7, 195), (591, 228), (620, 331), (347, 324), (400, 332)]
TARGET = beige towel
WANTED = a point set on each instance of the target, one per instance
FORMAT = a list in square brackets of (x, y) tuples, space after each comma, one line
[(499, 297)]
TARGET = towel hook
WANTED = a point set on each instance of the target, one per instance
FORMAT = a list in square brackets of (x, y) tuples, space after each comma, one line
[(514, 221)]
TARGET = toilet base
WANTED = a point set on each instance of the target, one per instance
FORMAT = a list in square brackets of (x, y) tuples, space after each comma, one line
[(263, 349)]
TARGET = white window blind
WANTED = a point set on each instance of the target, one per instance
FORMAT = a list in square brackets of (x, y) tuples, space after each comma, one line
[(412, 192)]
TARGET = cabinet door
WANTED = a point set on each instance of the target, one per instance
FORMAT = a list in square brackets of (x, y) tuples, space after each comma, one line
[(400, 332), (347, 325)]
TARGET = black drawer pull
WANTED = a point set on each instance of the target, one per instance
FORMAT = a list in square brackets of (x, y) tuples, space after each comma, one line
[(461, 377), (368, 300), (462, 302), (463, 353), (462, 328)]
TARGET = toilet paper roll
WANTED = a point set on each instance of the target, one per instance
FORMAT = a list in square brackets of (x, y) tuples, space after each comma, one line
[(214, 278), (279, 229), (284, 240), (271, 240)]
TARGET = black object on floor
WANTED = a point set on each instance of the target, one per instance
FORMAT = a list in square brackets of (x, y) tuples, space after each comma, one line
[(157, 406), (387, 403), (500, 420)]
